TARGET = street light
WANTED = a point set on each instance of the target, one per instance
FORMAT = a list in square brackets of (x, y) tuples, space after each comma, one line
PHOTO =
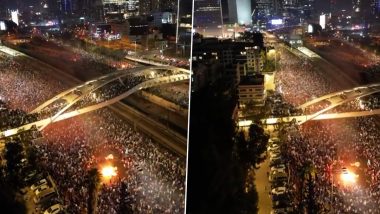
[(348, 177)]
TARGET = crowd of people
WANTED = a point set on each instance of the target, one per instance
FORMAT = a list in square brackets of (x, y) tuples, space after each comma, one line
[(23, 86), (323, 149), (299, 81), (154, 177), (174, 94)]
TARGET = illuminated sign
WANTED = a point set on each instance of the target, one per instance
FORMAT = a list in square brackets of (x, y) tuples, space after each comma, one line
[(310, 28), (276, 21), (2, 25), (322, 21), (14, 15)]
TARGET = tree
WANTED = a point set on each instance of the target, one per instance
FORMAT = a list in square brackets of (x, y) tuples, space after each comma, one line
[(242, 147), (269, 66), (32, 156), (93, 179), (13, 156), (257, 143), (10, 180)]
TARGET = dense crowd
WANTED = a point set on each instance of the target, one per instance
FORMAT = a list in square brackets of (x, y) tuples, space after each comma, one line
[(299, 81), (174, 94), (88, 58), (325, 148), (23, 85), (166, 60), (155, 177)]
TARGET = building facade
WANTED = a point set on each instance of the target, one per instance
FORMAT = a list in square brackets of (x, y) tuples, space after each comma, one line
[(208, 19), (239, 11), (251, 90)]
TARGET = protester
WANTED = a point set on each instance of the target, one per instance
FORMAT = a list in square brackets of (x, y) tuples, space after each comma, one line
[(325, 148), (154, 176)]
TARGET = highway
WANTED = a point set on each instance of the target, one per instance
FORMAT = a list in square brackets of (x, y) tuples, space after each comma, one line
[(157, 131), (324, 142)]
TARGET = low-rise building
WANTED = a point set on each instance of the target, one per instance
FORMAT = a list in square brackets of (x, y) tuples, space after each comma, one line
[(251, 90)]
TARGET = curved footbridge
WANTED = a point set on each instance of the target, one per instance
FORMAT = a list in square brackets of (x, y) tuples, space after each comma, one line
[(328, 102), (83, 97)]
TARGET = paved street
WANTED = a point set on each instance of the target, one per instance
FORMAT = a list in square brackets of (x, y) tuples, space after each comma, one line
[(263, 188)]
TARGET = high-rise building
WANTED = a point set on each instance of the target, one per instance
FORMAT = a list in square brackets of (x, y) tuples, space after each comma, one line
[(65, 6), (145, 7), (232, 11), (333, 6), (168, 5), (184, 27), (121, 6), (208, 19), (362, 10), (277, 8), (375, 7), (264, 9), (239, 11), (306, 8), (133, 5)]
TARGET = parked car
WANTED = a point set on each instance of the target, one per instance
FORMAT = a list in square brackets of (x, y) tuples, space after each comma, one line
[(277, 175), (273, 147), (41, 189), (276, 162), (44, 205), (30, 176), (54, 209), (275, 153), (278, 191), (45, 195), (38, 184), (274, 156), (274, 140), (278, 167)]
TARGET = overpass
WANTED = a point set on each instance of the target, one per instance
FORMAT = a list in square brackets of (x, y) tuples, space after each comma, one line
[(326, 103), (83, 98), (145, 61), (335, 99)]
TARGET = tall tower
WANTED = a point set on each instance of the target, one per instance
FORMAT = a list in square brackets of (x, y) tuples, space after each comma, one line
[(332, 6), (239, 11), (306, 8), (264, 8), (375, 6), (65, 6), (277, 7), (232, 11), (208, 17)]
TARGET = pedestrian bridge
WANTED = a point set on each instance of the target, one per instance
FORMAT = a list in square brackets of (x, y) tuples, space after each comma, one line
[(84, 98), (326, 103)]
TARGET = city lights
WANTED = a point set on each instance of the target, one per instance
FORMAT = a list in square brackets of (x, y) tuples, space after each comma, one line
[(348, 177), (190, 106), (109, 171)]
